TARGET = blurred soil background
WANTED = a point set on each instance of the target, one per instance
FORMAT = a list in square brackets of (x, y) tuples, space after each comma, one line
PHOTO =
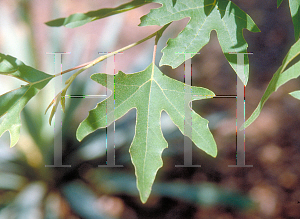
[(270, 189)]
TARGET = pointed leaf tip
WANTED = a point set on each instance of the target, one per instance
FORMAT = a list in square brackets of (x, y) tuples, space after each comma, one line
[(295, 94), (279, 3)]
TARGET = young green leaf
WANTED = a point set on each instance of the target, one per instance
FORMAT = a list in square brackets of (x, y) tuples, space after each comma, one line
[(287, 71), (79, 19), (150, 92), (205, 15), (13, 102), (295, 13)]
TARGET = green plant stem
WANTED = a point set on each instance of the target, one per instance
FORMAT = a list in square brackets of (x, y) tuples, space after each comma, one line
[(153, 59), (157, 37), (87, 65), (101, 58), (154, 54)]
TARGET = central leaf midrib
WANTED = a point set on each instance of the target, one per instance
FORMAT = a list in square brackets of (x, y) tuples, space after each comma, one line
[(146, 145)]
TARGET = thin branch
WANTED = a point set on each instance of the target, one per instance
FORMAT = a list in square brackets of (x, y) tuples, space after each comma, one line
[(87, 65), (101, 58)]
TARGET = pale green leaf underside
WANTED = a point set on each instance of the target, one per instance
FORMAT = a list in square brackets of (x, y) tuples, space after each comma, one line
[(13, 102), (79, 19), (285, 72), (205, 15), (150, 94)]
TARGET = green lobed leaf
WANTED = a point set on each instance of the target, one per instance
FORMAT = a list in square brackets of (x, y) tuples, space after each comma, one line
[(205, 15), (13, 102), (150, 92), (287, 71), (79, 19)]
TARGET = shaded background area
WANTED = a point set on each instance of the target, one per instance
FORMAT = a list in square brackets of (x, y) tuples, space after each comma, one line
[(29, 190)]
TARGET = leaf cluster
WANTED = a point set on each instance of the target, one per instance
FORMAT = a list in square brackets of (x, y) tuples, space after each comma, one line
[(150, 91)]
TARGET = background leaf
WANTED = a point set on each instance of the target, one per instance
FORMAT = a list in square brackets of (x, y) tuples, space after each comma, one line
[(12, 103), (205, 15), (287, 71), (150, 92), (204, 194), (295, 13), (79, 19), (82, 199)]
